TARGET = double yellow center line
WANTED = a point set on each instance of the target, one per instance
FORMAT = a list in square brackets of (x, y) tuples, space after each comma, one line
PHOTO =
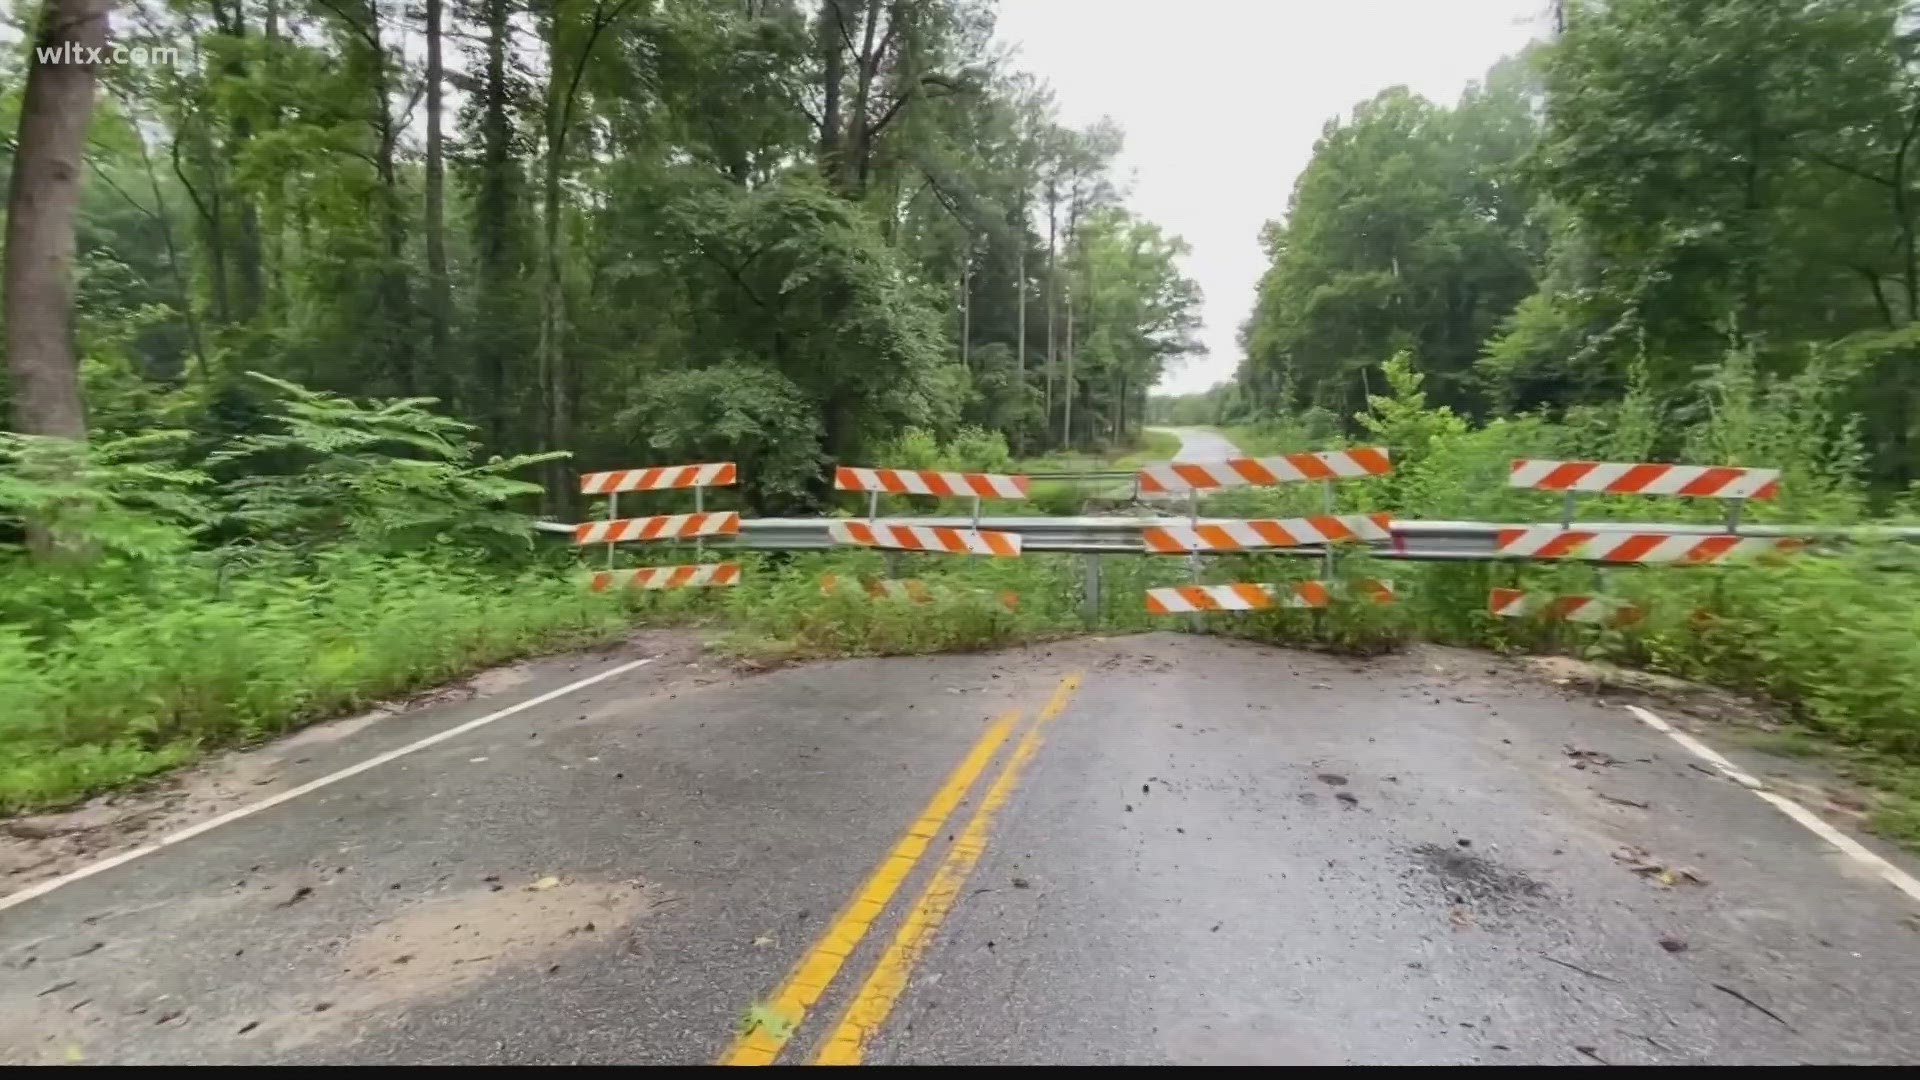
[(773, 1025)]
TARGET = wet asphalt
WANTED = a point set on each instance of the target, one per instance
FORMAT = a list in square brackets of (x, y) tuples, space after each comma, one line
[(1220, 853)]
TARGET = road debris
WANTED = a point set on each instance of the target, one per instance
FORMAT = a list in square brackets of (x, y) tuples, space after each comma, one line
[(1348, 797), (1673, 944), (1754, 1004), (1583, 758), (1638, 860), (544, 884), (1619, 801), (299, 894), (1331, 779), (1576, 967)]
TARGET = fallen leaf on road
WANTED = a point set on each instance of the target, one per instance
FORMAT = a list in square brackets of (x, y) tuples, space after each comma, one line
[(768, 1019), (1673, 944), (1348, 797), (1618, 801), (1461, 918), (544, 883), (762, 941), (1331, 779), (73, 1054)]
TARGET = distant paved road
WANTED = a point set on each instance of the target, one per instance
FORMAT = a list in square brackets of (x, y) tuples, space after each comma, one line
[(1165, 849), (1202, 444)]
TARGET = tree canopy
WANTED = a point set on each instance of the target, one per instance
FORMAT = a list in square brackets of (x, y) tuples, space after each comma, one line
[(580, 224), (1662, 181)]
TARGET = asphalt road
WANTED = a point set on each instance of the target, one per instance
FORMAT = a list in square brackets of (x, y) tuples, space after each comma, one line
[(1162, 849), (1202, 444)]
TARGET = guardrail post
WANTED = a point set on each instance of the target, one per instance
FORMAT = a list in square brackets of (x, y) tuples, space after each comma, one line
[(1326, 507), (699, 545), (613, 511), (1090, 598), (1196, 621)]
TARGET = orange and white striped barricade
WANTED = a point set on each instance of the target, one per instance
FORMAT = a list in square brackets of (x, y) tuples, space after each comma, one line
[(1325, 466), (1177, 476), (912, 589), (1255, 533), (666, 577), (906, 536), (661, 527), (1593, 545), (698, 525), (1732, 484), (946, 485), (902, 536), (1518, 604), (1237, 596), (1378, 590), (659, 478), (889, 588), (1614, 478)]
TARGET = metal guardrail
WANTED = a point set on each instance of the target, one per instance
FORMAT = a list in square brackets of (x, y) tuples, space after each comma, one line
[(1419, 541)]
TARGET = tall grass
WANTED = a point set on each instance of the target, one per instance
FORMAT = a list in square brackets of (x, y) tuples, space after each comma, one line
[(198, 658), (127, 664), (1832, 634)]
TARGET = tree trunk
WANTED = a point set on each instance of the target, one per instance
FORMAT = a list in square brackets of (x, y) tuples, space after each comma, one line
[(832, 37), (1020, 339), (272, 249), (163, 217), (496, 271), (966, 311), (1066, 384), (851, 164), (247, 288), (1053, 228), (42, 198), (439, 299), (552, 346), (396, 299), (557, 377)]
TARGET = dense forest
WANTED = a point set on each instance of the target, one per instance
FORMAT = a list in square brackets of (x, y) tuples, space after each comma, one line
[(634, 231), (311, 305), (1659, 185)]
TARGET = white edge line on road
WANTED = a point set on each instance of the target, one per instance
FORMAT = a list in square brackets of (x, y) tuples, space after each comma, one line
[(271, 801), (1852, 848)]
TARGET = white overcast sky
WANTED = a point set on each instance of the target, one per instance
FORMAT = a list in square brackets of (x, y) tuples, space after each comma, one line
[(1222, 100)]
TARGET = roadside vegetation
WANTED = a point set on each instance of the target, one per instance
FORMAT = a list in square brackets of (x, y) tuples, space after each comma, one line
[(794, 236), (302, 329), (1677, 230)]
